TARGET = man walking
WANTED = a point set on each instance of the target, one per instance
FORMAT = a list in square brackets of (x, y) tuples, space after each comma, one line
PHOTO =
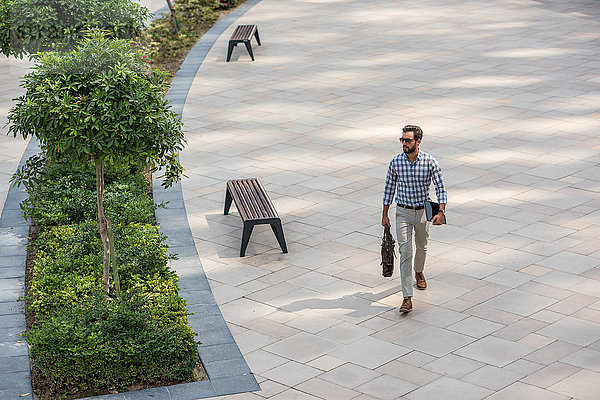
[(408, 179)]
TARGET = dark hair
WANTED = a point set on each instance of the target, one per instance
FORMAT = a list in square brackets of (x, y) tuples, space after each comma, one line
[(416, 130)]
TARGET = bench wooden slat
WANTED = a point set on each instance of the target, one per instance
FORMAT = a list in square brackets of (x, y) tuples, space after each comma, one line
[(261, 199), (243, 32), (271, 212), (236, 197), (250, 202)]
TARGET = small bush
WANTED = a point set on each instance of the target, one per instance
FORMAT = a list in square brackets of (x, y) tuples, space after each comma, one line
[(68, 264), (30, 26), (60, 194), (80, 339), (194, 13), (98, 344)]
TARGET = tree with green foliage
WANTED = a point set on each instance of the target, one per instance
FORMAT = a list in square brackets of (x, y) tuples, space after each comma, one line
[(100, 104), (32, 26)]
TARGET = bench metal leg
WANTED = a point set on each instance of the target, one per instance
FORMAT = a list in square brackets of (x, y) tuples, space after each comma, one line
[(230, 49), (278, 231), (248, 226), (228, 200), (249, 47), (257, 37)]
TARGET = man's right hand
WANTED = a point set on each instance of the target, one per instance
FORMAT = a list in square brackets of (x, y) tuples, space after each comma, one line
[(384, 215)]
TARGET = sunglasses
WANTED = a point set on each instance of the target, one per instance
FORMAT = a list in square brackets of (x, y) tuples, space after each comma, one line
[(406, 140)]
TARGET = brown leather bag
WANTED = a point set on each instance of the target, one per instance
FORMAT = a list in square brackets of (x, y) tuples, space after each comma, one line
[(387, 252)]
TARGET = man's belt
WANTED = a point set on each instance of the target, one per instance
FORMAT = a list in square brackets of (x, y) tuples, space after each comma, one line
[(410, 207)]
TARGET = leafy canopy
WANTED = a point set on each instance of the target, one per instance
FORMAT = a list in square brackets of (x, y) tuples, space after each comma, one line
[(31, 26), (100, 102)]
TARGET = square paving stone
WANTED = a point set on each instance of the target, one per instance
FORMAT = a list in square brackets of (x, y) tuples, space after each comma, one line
[(448, 388), (570, 262), (350, 375), (519, 390), (440, 317), (573, 330), (585, 358), (582, 385), (386, 387), (493, 378), (261, 361), (519, 302), (494, 351), (438, 293), (293, 394), (243, 310), (476, 327), (435, 341), (291, 373), (313, 322), (453, 366), (543, 231), (550, 375), (476, 270), (509, 278), (302, 347), (326, 390), (561, 279), (408, 373), (346, 333), (369, 352), (510, 258)]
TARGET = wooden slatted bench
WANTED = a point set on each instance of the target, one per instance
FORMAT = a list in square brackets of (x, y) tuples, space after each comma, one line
[(243, 34), (255, 207)]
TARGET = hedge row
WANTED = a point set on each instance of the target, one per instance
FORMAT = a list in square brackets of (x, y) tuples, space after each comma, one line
[(81, 339)]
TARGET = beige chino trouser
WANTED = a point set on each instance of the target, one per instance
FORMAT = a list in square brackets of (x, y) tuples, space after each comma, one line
[(407, 221)]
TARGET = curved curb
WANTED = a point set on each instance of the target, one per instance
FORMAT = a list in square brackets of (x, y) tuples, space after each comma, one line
[(227, 370), (225, 366), (14, 237)]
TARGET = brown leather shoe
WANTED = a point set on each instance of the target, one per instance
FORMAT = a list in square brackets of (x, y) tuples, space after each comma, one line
[(406, 305), (421, 282)]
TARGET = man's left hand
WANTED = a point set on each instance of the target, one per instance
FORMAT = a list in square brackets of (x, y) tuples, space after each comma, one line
[(438, 219)]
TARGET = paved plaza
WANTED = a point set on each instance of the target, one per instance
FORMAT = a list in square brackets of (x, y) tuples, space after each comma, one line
[(507, 94)]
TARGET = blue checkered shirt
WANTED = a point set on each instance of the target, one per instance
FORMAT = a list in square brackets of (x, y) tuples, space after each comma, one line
[(411, 182)]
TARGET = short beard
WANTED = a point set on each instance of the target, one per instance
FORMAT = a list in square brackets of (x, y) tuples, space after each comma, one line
[(410, 149)]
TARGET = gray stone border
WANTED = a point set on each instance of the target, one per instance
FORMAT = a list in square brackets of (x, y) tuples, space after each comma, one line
[(226, 368), (14, 236)]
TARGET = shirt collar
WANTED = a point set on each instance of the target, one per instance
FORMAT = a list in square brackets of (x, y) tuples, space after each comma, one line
[(419, 156)]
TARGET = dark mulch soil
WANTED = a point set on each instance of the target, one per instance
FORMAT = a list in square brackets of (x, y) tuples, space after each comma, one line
[(172, 65)]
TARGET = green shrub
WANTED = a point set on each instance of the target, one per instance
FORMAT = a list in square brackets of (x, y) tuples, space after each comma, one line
[(71, 198), (61, 194), (31, 26), (192, 13), (99, 344), (83, 341), (68, 264)]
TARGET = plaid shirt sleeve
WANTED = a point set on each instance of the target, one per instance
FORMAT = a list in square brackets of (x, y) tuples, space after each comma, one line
[(390, 185), (438, 181)]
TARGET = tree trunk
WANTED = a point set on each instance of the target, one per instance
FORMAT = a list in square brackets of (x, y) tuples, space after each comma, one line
[(102, 223)]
